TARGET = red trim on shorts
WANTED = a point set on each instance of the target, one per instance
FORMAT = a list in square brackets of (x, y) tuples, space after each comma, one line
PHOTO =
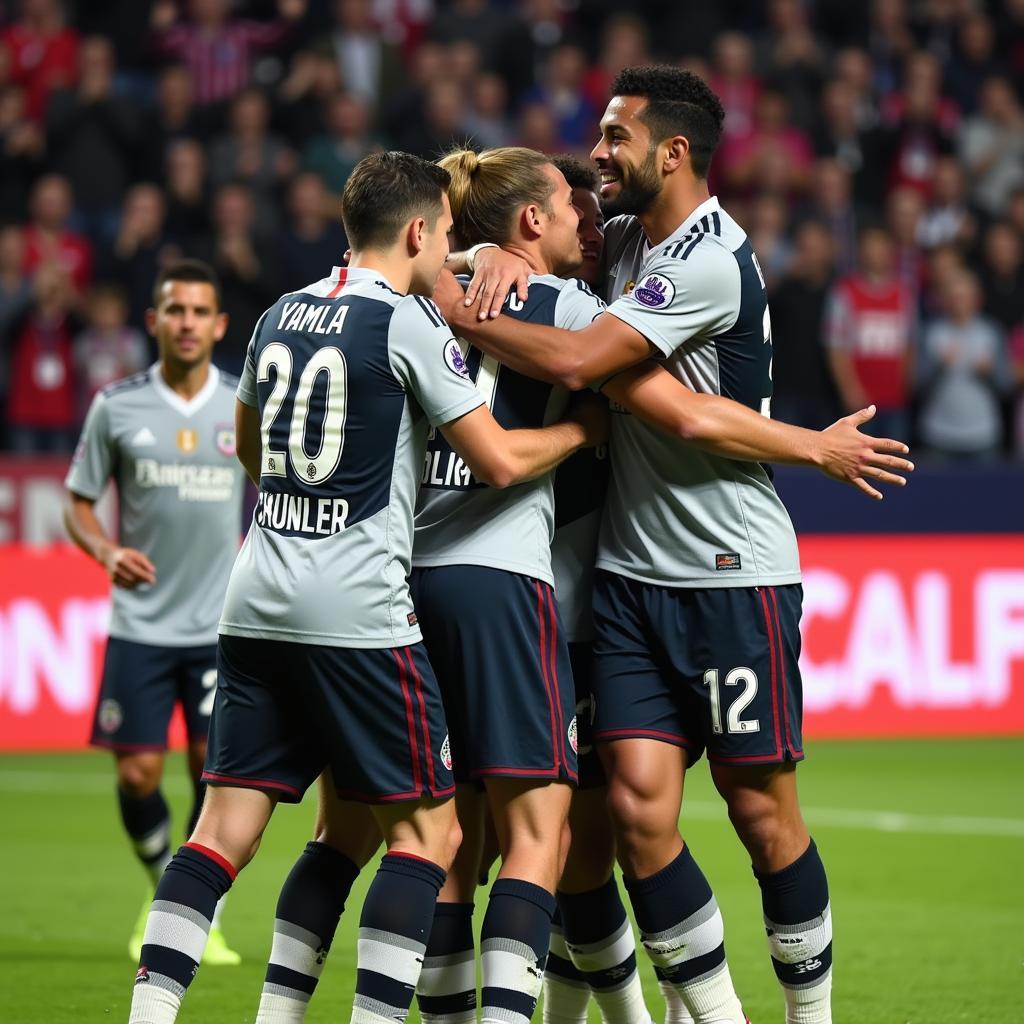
[(341, 283), (782, 670), (388, 798), (644, 734), (238, 780), (527, 773), (756, 758), (549, 597), (217, 859), (771, 663), (410, 722), (428, 752), (545, 674)]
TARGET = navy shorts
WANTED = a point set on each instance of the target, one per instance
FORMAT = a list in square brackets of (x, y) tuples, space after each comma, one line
[(286, 711), (581, 656), (140, 686), (711, 669), (496, 642)]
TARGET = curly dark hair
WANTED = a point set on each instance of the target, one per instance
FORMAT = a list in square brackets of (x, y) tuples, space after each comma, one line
[(579, 173), (678, 103)]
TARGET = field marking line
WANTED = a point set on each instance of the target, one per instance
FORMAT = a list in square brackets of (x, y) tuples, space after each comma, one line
[(28, 781)]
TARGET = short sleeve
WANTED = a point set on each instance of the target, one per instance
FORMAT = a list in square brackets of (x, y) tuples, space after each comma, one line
[(577, 306), (678, 296), (246, 390), (427, 360), (94, 458)]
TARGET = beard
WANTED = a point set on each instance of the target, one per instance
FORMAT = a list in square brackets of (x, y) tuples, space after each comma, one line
[(638, 193)]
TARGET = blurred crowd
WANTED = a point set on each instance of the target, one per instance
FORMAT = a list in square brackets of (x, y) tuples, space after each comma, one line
[(873, 151)]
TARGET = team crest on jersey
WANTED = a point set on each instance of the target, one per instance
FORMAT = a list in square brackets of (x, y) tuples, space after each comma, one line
[(571, 733), (446, 753), (188, 440), (655, 291), (224, 436), (454, 359), (111, 715)]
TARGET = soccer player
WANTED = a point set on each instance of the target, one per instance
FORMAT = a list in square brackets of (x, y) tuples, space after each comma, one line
[(166, 438), (320, 663), (697, 598)]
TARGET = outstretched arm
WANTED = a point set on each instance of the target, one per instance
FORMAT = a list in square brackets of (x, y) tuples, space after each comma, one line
[(724, 427)]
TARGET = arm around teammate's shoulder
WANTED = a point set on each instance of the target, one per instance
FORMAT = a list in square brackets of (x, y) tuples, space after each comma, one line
[(501, 458)]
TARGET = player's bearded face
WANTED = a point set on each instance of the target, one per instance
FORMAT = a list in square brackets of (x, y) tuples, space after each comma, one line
[(639, 185)]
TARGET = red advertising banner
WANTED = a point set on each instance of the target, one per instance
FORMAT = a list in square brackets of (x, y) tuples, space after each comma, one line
[(903, 636)]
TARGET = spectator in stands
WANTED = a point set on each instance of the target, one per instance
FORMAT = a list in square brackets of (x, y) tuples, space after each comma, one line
[(333, 155), (249, 153), (107, 349), (43, 53), (944, 262), (853, 66), (1017, 361), (15, 298), (247, 265), (974, 60), (22, 149), (803, 389), (734, 81), (766, 227), (426, 68), (831, 203), (773, 144), (904, 210), (48, 238), (1004, 275), (537, 128), (947, 218), (992, 146), (869, 330), (140, 249), (174, 117), (312, 240), (486, 122), (443, 111), (92, 138), (890, 42), (41, 408), (625, 42), (187, 198), (792, 58), (370, 65), (217, 48), (304, 95), (840, 137), (562, 93), (962, 374)]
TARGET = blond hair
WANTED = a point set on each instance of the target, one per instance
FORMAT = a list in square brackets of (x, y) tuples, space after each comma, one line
[(488, 188)]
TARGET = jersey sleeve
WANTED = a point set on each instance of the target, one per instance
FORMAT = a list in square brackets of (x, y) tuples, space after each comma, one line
[(577, 306), (95, 456), (690, 289), (246, 391), (427, 360)]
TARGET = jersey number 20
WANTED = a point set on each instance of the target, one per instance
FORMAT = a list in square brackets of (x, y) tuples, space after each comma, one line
[(317, 468)]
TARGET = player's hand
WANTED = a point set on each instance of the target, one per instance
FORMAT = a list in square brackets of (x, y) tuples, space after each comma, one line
[(848, 455), (496, 272), (127, 568), (448, 296), (590, 411)]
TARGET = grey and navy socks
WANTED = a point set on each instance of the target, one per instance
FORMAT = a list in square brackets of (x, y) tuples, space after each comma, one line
[(681, 929), (147, 820), (308, 910), (446, 993), (176, 931), (798, 922), (393, 932)]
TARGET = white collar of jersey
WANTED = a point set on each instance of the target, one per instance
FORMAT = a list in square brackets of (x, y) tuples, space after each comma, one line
[(353, 274), (692, 224), (186, 406)]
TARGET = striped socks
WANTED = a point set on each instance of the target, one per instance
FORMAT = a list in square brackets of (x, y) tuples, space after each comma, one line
[(513, 948), (147, 820), (311, 903), (176, 931), (798, 921), (393, 932), (446, 992), (566, 992), (681, 929)]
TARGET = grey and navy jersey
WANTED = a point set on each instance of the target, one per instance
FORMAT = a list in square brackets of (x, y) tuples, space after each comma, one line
[(179, 489), (348, 375), (460, 521), (675, 515)]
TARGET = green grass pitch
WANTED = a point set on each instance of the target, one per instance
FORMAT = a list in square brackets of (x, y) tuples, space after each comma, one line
[(924, 844)]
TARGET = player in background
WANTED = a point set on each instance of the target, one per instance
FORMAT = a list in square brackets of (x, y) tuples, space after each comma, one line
[(166, 438), (319, 657), (697, 600)]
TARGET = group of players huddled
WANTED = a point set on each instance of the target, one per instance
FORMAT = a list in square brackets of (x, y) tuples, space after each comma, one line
[(490, 617)]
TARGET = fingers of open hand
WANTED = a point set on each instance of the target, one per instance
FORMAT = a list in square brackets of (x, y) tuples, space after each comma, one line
[(861, 484)]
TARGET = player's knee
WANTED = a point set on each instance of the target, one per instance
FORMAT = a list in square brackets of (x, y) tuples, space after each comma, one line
[(139, 776), (759, 821)]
